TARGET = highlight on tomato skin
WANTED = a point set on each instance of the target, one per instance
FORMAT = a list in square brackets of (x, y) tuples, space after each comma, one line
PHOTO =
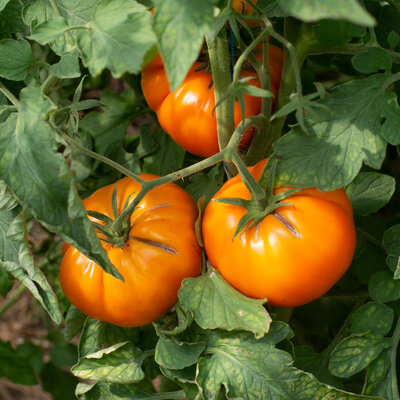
[(160, 251), (188, 113), (267, 261)]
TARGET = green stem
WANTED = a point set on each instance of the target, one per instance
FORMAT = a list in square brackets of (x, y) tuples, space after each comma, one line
[(13, 299), (298, 46), (257, 192), (246, 53), (146, 186), (42, 64), (259, 142), (219, 56), (265, 80), (48, 83), (98, 157), (370, 238), (351, 49), (9, 95), (393, 359)]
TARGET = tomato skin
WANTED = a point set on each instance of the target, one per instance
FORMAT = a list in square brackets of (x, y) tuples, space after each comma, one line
[(268, 261), (167, 215), (188, 114)]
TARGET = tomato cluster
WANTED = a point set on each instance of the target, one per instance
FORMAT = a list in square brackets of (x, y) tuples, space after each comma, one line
[(288, 267)]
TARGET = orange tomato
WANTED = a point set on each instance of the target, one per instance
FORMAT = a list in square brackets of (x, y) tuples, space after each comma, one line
[(160, 252), (267, 261), (188, 114), (243, 7)]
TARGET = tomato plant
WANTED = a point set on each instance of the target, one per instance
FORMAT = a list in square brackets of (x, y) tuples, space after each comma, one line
[(287, 267), (159, 251), (272, 282)]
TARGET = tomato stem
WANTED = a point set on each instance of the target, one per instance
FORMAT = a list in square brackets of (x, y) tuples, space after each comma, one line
[(257, 192), (17, 294), (295, 54), (97, 156), (218, 52), (246, 53), (48, 83), (172, 177), (9, 95)]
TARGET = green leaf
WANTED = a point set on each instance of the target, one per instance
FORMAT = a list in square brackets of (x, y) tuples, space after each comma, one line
[(63, 354), (16, 257), (57, 382), (252, 369), (185, 379), (216, 304), (108, 128), (393, 39), (383, 288), (91, 338), (173, 323), (379, 380), (373, 60), (343, 134), (97, 334), (206, 184), (173, 355), (117, 30), (36, 12), (390, 111), (336, 33), (272, 8), (3, 3), (11, 19), (316, 363), (370, 191), (50, 30), (28, 145), (356, 352), (180, 27), (314, 10), (167, 158), (372, 317), (67, 67), (120, 363), (391, 242), (107, 391), (15, 59), (74, 321), (15, 366)]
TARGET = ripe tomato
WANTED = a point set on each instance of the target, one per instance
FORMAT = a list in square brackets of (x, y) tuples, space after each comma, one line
[(267, 261), (161, 251), (243, 7), (187, 114)]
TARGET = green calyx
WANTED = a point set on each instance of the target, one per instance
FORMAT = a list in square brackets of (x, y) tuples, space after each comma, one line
[(259, 208), (115, 231)]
